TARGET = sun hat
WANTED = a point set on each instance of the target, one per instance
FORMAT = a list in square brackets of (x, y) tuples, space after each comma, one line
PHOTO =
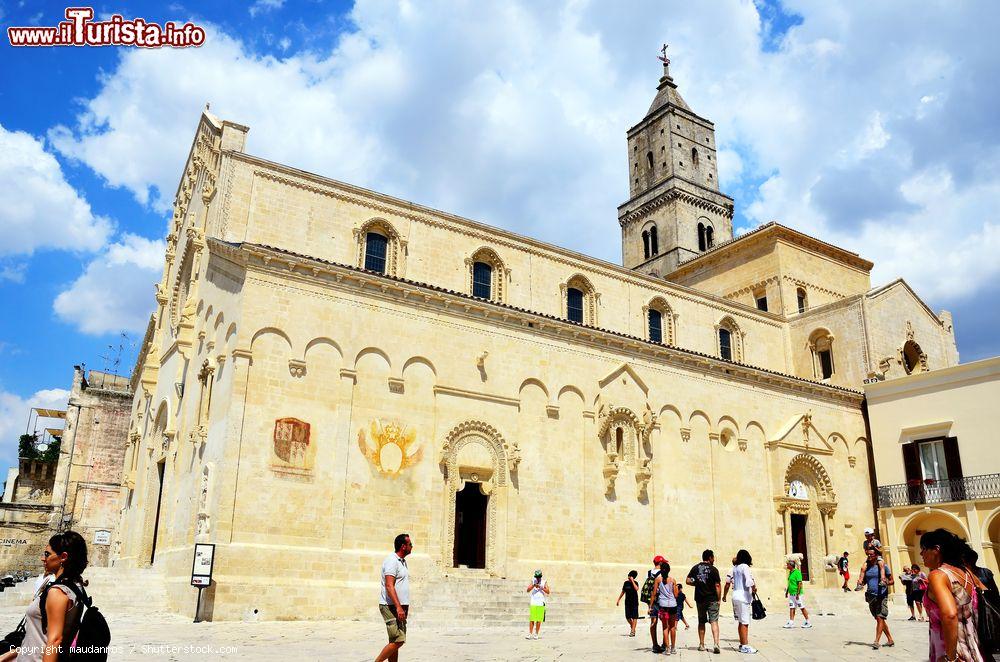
[(538, 573), (869, 531)]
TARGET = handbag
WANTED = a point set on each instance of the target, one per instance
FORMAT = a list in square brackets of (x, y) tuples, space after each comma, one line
[(757, 611), (14, 639)]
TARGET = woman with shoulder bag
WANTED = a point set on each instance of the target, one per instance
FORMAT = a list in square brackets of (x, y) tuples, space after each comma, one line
[(65, 558)]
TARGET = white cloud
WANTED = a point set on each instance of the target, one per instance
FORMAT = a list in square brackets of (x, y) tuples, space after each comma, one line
[(13, 271), (39, 209), (14, 412), (515, 114), (262, 6), (115, 291)]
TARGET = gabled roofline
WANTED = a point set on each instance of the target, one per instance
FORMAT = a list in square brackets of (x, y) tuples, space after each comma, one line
[(779, 231), (874, 292)]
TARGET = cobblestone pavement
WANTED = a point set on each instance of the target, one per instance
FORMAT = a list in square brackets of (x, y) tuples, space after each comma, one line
[(172, 637)]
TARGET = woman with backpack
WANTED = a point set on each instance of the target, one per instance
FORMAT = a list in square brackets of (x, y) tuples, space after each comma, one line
[(45, 636), (664, 596), (630, 591)]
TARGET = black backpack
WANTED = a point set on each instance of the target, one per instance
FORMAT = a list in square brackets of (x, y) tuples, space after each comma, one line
[(92, 635), (647, 586)]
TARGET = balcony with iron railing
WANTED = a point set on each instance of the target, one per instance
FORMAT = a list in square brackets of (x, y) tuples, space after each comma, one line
[(920, 492)]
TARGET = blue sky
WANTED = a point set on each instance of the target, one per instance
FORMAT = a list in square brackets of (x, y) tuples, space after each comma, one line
[(865, 124)]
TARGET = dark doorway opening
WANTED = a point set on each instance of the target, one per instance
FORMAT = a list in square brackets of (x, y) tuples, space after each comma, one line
[(470, 526), (799, 543), (159, 500)]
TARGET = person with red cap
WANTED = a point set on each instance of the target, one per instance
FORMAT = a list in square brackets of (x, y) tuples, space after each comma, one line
[(647, 592)]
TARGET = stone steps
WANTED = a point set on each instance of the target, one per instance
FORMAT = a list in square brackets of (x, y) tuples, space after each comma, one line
[(116, 591), (497, 601)]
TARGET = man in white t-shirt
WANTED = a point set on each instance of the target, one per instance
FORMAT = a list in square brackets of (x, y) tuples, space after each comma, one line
[(394, 601)]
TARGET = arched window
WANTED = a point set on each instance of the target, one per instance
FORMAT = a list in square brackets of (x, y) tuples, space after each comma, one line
[(487, 275), (574, 305), (726, 344), (649, 161), (821, 346), (655, 319), (580, 300), (730, 340), (482, 280), (645, 244), (380, 248), (914, 360), (800, 298), (694, 157), (376, 250), (654, 245), (619, 442), (702, 244), (659, 320)]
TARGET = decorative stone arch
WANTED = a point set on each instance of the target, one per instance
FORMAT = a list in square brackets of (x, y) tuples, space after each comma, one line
[(395, 252), (591, 298), (805, 465), (912, 358), (625, 438), (667, 316), (500, 277), (821, 340), (476, 452), (736, 336), (807, 469)]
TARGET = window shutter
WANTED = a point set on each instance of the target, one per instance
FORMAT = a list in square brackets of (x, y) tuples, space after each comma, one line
[(911, 464), (952, 459)]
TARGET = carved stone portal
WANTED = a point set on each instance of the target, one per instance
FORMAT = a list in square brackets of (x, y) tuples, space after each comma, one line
[(476, 452)]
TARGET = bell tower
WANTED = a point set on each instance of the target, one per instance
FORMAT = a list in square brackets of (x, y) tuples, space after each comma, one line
[(675, 210)]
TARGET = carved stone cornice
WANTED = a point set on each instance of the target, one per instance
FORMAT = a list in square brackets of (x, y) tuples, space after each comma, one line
[(316, 272), (670, 195)]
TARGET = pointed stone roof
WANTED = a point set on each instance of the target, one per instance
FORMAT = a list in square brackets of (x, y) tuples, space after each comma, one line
[(666, 93)]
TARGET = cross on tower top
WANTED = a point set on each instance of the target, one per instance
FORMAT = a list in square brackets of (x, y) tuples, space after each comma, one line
[(666, 62)]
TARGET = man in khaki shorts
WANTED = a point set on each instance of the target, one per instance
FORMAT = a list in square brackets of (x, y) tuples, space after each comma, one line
[(395, 598)]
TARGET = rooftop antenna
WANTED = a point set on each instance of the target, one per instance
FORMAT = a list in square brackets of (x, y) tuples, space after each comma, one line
[(113, 357)]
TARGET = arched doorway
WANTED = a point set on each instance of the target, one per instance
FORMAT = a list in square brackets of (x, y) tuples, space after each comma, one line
[(477, 464), (806, 505), (921, 522)]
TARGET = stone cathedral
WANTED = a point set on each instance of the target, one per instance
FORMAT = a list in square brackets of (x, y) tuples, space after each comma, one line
[(328, 366)]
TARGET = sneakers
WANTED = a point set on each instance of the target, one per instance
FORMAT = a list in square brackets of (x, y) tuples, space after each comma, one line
[(657, 648), (806, 625), (912, 618), (527, 636), (788, 625), (748, 650), (538, 636), (716, 650)]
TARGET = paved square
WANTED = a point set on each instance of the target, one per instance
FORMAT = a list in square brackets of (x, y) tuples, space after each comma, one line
[(171, 637)]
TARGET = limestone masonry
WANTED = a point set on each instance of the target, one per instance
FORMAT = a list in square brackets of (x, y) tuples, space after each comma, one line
[(328, 366)]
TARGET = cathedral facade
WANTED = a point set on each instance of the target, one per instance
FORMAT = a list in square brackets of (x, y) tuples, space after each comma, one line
[(328, 366)]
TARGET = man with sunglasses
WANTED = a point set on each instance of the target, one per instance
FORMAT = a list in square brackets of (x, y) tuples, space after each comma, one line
[(395, 599)]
